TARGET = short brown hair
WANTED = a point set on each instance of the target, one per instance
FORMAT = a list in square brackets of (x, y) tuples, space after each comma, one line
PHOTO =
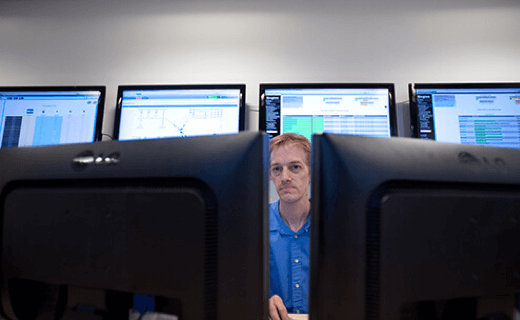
[(289, 138)]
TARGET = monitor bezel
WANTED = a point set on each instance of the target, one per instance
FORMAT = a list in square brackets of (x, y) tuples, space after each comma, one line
[(122, 88), (412, 95), (346, 85), (362, 167), (100, 107), (155, 163)]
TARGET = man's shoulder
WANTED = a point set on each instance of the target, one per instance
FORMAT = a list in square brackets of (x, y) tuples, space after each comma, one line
[(273, 206), (273, 214)]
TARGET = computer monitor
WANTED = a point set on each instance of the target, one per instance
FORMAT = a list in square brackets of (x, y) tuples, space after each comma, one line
[(470, 113), (165, 111), (179, 219), (344, 108), (38, 116), (401, 221)]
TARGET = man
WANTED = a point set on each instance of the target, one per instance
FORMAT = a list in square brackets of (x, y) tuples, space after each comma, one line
[(289, 226)]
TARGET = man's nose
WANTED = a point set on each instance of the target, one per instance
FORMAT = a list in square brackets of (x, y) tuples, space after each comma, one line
[(286, 175)]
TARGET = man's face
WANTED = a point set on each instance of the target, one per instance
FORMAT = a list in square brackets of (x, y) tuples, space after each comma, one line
[(289, 172)]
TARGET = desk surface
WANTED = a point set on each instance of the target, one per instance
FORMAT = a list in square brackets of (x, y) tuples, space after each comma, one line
[(299, 316)]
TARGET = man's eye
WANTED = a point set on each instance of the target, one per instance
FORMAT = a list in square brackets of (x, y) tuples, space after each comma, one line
[(276, 169), (295, 167)]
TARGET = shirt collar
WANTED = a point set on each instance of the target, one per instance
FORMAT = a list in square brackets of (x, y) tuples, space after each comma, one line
[(276, 222)]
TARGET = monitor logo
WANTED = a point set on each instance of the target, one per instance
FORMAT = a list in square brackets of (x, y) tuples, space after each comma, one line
[(468, 158), (84, 159)]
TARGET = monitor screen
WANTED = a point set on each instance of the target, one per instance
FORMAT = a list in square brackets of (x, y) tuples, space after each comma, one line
[(360, 109), (38, 116), (470, 113), (150, 112), (411, 229), (123, 217)]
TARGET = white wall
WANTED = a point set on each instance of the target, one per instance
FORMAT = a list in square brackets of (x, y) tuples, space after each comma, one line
[(112, 42)]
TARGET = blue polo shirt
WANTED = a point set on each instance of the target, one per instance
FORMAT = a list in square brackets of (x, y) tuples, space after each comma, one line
[(289, 262)]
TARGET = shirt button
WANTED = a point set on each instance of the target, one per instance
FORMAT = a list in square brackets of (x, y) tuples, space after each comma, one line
[(295, 237), (297, 285), (296, 260)]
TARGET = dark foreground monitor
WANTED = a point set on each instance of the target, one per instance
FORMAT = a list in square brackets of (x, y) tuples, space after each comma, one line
[(366, 109), (471, 113), (184, 220), (39, 116), (166, 111), (399, 223)]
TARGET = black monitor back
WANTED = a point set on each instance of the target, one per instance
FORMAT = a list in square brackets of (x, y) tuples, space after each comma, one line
[(177, 218), (400, 221)]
